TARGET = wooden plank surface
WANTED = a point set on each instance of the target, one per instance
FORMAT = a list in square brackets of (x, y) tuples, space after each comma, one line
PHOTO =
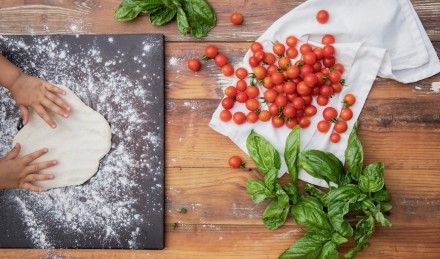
[(400, 125)]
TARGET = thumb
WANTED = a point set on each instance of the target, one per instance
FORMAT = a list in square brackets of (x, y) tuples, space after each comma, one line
[(24, 114), (14, 152)]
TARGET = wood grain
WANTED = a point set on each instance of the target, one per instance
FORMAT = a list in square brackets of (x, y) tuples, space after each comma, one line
[(399, 126)]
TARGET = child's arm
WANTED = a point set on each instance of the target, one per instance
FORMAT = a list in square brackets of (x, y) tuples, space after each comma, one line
[(21, 173), (32, 92)]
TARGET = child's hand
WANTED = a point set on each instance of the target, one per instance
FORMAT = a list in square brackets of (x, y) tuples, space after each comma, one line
[(32, 92), (21, 173)]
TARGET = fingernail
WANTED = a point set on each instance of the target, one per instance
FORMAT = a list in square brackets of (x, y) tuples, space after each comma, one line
[(64, 93), (66, 115), (51, 177), (45, 150), (54, 162), (53, 126), (68, 109)]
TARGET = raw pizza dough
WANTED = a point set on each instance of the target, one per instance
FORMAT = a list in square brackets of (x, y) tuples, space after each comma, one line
[(77, 143)]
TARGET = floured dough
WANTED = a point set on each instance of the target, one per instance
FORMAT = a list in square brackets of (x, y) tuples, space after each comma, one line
[(77, 143)]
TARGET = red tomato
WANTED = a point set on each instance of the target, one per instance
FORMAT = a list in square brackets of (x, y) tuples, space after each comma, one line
[(293, 72), (340, 126), (241, 97), (337, 88), (322, 100), (292, 52), (298, 103), (239, 118), (253, 62), (329, 62), (349, 100), (269, 59), (277, 78), (309, 58), (335, 76), (303, 89), (259, 72), (320, 77), (307, 99), (328, 51), (241, 85), (339, 67), (291, 41), (317, 66), (335, 137), (284, 62), (237, 18), (227, 70), (225, 115), (322, 16), (277, 122), (241, 73), (274, 109), (328, 39), (210, 52), (305, 48), (304, 122), (259, 55), (315, 90), (278, 48), (264, 115), (270, 95), (256, 46), (346, 114), (310, 110), (318, 53), (326, 90), (228, 103), (281, 100), (267, 82), (231, 91), (235, 162), (330, 114), (310, 79), (289, 111), (289, 87), (252, 104), (252, 117), (252, 92), (271, 69), (194, 64), (291, 123), (279, 89), (323, 126), (221, 60), (306, 69)]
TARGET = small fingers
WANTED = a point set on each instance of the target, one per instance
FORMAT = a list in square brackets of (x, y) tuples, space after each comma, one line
[(31, 187), (35, 168), (43, 114), (54, 89), (24, 114), (14, 152), (38, 177), (54, 107), (32, 156)]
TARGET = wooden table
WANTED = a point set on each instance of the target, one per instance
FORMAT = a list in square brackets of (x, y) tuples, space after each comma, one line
[(400, 125)]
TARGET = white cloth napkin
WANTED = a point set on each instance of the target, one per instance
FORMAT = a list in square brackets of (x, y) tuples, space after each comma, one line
[(373, 38)]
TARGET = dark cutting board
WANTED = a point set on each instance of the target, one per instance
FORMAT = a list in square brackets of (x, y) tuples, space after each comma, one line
[(122, 206)]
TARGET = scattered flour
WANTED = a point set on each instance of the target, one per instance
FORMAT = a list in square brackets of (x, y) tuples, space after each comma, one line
[(435, 87)]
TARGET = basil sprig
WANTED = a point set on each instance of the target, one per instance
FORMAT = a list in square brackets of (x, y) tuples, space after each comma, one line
[(193, 16), (360, 196)]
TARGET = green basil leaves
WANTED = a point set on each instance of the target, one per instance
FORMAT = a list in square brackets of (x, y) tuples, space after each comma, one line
[(195, 16)]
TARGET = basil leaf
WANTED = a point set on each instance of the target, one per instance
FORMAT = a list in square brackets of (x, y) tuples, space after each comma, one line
[(130, 9), (162, 16), (201, 17), (364, 229), (308, 246), (372, 180), (323, 165), (293, 193), (264, 155), (338, 239), (315, 192), (382, 195), (258, 190), (354, 155), (368, 207), (382, 220), (182, 22), (329, 251), (385, 206), (276, 212), (291, 152), (355, 250), (270, 179), (310, 212)]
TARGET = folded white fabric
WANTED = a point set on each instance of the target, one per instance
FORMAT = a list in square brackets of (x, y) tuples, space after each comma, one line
[(373, 38)]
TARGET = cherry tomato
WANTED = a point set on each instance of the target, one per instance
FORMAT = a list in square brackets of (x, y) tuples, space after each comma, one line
[(317, 66), (220, 60), (235, 162), (298, 103), (236, 18), (228, 103), (259, 55), (231, 91), (264, 115), (267, 82), (269, 59), (322, 100), (252, 117), (303, 89), (309, 58), (329, 62), (315, 90), (289, 87), (259, 72), (227, 70), (277, 122), (328, 51), (277, 78), (256, 46), (284, 62), (310, 110), (274, 109), (225, 115), (346, 114), (289, 111), (241, 85), (326, 90), (291, 52), (293, 72), (322, 16), (279, 89), (335, 137), (252, 92), (325, 70), (299, 113), (310, 79), (271, 69), (349, 100), (239, 118), (323, 126), (253, 62), (340, 126), (335, 76), (339, 67), (304, 122), (318, 53), (194, 64), (337, 88), (307, 99), (210, 52), (305, 48), (320, 77), (281, 100), (252, 104), (241, 73), (270, 95), (278, 48), (328, 39), (291, 41), (291, 123), (306, 69), (330, 113), (290, 97), (241, 97)]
